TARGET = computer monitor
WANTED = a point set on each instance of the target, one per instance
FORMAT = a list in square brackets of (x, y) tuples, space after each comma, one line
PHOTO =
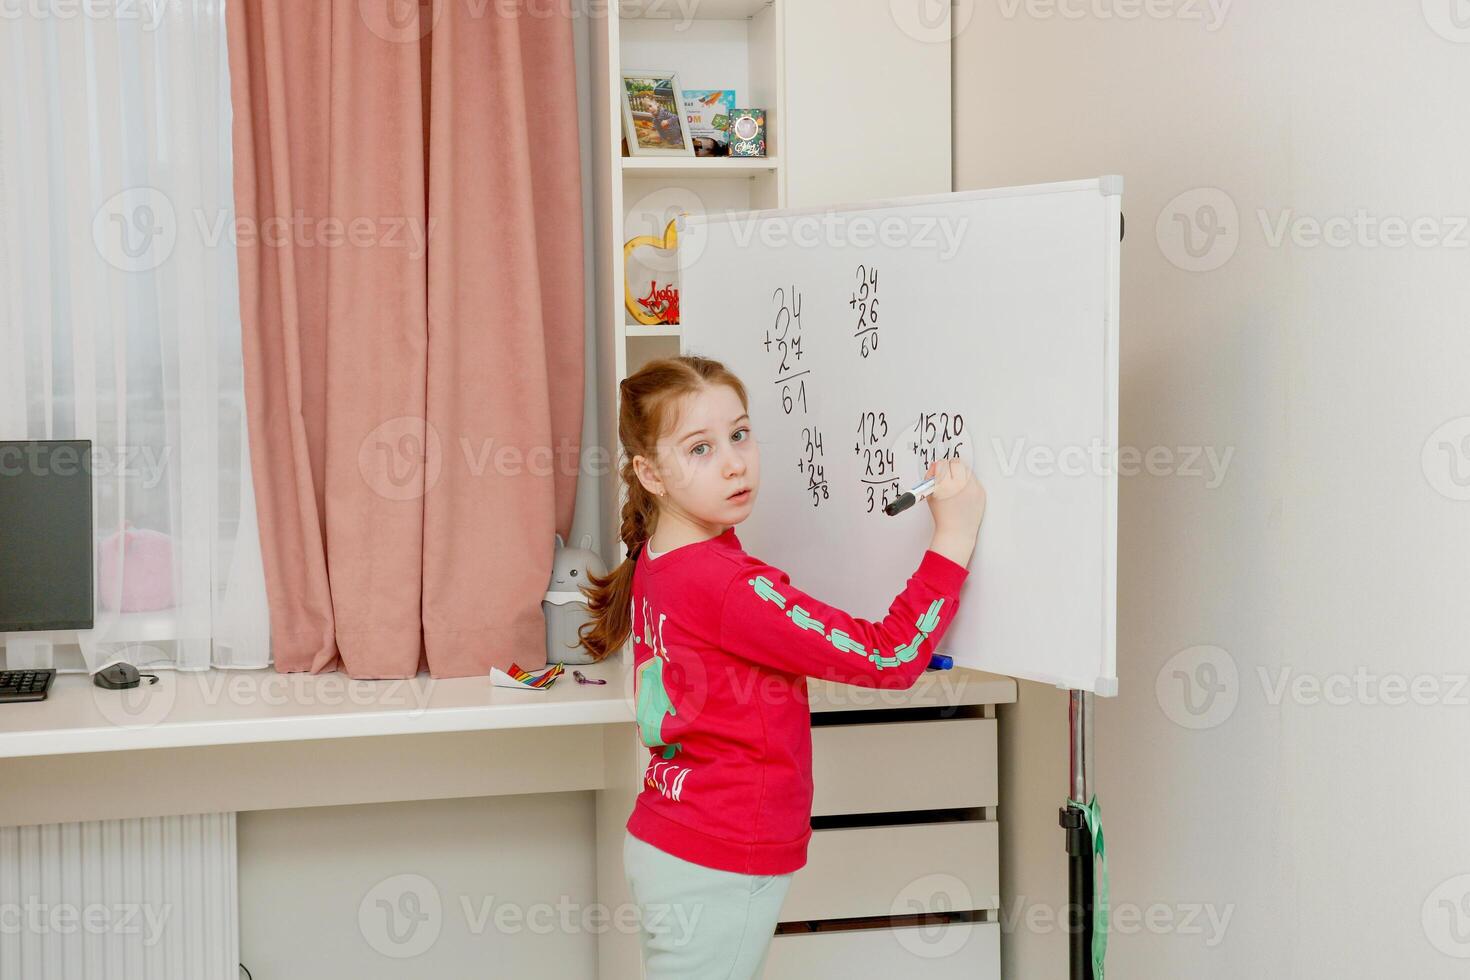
[(46, 544)]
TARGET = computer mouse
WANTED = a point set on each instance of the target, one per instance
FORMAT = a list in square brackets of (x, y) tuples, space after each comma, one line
[(116, 677)]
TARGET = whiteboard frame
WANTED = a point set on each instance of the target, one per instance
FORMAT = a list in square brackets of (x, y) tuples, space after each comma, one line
[(1110, 187)]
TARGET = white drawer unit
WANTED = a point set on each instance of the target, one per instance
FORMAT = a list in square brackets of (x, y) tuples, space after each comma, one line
[(905, 800), (897, 869), (956, 951), (904, 765)]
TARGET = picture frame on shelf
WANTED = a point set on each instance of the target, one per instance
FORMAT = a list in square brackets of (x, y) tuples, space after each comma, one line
[(708, 113), (653, 114), (748, 133)]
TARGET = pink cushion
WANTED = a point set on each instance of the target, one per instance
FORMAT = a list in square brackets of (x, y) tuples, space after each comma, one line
[(147, 559)]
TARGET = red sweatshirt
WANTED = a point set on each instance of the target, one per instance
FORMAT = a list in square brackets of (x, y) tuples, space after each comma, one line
[(722, 646)]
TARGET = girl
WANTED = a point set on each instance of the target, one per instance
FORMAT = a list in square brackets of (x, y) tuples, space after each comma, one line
[(722, 646)]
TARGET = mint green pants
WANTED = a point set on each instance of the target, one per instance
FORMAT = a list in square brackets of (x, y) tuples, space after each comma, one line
[(699, 923)]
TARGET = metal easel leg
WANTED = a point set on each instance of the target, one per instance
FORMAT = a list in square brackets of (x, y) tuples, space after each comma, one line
[(1079, 916)]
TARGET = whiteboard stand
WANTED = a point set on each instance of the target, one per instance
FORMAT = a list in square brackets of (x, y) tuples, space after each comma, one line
[(1081, 864), (787, 299)]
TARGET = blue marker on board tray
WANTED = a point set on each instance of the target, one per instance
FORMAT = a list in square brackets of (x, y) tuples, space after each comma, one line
[(939, 661)]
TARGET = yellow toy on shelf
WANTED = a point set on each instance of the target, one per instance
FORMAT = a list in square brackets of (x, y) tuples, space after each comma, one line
[(661, 305)]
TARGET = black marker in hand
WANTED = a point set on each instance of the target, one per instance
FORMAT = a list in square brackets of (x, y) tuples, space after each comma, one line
[(910, 497)]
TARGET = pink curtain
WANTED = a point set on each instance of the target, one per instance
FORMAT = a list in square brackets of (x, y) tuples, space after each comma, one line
[(409, 220)]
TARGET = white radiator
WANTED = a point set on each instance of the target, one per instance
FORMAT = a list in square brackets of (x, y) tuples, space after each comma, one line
[(145, 899)]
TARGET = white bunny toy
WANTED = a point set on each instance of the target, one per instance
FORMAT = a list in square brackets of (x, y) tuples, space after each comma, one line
[(564, 605)]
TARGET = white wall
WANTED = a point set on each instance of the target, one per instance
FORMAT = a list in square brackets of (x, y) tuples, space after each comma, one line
[(1329, 826)]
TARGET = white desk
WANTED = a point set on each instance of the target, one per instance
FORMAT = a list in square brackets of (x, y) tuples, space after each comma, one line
[(222, 741), (233, 707)]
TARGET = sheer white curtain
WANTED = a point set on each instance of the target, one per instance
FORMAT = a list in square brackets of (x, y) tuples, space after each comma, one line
[(120, 319)]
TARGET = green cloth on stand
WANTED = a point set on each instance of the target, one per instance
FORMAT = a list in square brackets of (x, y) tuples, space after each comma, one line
[(1092, 813)]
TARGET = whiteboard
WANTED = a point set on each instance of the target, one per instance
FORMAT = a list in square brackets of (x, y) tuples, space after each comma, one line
[(872, 338)]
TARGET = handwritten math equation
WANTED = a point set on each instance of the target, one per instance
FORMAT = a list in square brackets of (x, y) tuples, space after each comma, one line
[(864, 304), (783, 346), (880, 446), (876, 466), (933, 436), (936, 436)]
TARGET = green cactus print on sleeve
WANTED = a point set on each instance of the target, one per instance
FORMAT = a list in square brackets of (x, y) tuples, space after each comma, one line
[(803, 620), (764, 589), (654, 705), (926, 624), (881, 661), (930, 619), (908, 651), (845, 643)]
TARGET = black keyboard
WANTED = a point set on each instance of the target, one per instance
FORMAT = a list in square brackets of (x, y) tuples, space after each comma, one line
[(25, 685)]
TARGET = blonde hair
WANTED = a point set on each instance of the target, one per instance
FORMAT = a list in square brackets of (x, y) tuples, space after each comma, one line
[(645, 398)]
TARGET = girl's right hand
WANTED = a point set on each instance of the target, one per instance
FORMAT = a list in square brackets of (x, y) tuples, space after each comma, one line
[(957, 502)]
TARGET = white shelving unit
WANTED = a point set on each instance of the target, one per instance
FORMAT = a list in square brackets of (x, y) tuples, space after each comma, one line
[(733, 44), (857, 107), (698, 169)]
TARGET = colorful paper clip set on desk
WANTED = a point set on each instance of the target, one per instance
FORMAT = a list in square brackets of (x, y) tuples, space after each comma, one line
[(526, 680)]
